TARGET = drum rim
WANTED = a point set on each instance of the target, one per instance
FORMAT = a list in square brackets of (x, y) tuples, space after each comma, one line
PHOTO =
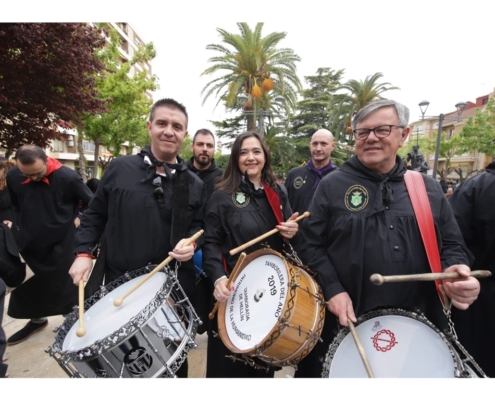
[(127, 330), (418, 316), (222, 329)]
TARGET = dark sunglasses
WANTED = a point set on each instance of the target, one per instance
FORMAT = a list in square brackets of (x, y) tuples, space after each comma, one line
[(158, 192)]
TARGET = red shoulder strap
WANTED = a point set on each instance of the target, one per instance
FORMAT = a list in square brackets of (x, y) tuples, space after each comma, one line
[(415, 185), (274, 201)]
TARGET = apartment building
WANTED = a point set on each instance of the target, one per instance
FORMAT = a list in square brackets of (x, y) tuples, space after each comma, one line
[(66, 151), (468, 162)]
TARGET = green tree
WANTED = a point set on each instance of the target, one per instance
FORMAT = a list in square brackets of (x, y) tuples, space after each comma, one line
[(313, 111), (357, 94), (126, 97), (253, 66), (46, 80), (479, 132)]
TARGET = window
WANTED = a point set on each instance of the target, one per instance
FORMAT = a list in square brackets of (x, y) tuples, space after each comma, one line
[(70, 141), (58, 145), (88, 146)]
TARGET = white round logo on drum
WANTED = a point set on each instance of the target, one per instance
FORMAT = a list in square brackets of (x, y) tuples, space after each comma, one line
[(257, 301)]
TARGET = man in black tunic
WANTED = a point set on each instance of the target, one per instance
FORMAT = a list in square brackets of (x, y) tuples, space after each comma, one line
[(45, 196), (301, 182), (202, 162), (150, 203), (472, 203), (203, 165), (362, 222)]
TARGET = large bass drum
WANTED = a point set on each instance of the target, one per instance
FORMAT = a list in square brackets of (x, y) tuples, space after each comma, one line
[(275, 312), (397, 344), (148, 336)]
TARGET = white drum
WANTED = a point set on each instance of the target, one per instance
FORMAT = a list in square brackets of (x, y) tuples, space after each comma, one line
[(275, 312), (398, 344), (148, 336)]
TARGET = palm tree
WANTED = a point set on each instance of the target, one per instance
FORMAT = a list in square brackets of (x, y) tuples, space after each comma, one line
[(253, 66), (280, 147), (359, 94)]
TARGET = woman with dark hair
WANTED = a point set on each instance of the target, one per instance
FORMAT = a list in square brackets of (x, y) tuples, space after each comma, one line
[(247, 203)]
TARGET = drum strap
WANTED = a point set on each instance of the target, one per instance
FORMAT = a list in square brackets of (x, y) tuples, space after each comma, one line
[(274, 201), (415, 185)]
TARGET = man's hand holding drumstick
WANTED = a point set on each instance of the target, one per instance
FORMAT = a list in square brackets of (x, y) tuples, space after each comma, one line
[(464, 291)]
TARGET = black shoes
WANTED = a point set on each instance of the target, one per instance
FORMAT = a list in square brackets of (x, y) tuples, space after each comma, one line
[(30, 328)]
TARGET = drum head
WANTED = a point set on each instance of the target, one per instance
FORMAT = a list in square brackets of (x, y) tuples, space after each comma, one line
[(103, 318), (257, 301), (395, 345)]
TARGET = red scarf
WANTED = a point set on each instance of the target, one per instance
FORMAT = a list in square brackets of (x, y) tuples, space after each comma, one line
[(274, 201), (51, 165)]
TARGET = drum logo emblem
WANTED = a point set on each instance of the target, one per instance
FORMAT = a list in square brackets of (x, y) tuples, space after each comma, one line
[(384, 340), (240, 199), (356, 198), (138, 361), (259, 294), (298, 182)]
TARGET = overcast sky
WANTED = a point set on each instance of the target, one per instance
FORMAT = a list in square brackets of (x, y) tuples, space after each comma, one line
[(428, 49)]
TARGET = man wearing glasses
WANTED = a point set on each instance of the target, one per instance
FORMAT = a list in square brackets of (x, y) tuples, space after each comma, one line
[(149, 203), (45, 196), (362, 222)]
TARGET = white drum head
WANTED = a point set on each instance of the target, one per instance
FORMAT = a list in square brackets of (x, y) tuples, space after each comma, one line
[(396, 346), (257, 301), (103, 318)]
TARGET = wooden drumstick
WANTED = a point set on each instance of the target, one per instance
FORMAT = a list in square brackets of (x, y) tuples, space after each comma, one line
[(378, 279), (81, 331), (360, 348), (118, 302), (231, 277), (265, 235)]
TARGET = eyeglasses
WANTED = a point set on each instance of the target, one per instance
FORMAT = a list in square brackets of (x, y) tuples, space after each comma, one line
[(158, 192), (381, 131)]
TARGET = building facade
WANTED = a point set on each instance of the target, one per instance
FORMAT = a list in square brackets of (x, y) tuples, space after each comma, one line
[(467, 163)]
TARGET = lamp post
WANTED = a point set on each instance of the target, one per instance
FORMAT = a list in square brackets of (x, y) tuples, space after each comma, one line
[(423, 106), (279, 100)]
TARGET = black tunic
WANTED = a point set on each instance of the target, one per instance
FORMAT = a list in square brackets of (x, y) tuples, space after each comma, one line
[(138, 225), (473, 205), (209, 176), (299, 185), (363, 223), (228, 226), (45, 216), (6, 210)]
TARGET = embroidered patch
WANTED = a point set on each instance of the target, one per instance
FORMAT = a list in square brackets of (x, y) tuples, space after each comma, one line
[(298, 182), (356, 198), (240, 199)]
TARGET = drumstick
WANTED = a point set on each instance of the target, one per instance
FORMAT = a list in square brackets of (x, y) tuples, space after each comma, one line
[(118, 302), (360, 348), (265, 235), (378, 279), (231, 277), (81, 331)]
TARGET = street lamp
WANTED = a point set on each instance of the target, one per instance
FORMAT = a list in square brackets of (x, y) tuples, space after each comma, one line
[(423, 106), (279, 100)]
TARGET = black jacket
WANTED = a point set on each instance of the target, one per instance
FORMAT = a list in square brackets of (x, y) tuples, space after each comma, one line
[(363, 223), (209, 176), (138, 225)]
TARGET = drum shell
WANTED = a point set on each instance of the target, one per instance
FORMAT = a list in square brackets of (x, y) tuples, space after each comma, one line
[(135, 350), (300, 323)]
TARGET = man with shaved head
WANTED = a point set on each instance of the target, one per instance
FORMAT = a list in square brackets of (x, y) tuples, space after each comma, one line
[(302, 182)]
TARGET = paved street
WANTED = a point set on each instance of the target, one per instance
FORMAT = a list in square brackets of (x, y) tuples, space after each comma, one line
[(29, 360)]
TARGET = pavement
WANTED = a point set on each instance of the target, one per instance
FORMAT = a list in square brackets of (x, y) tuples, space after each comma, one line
[(29, 359)]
